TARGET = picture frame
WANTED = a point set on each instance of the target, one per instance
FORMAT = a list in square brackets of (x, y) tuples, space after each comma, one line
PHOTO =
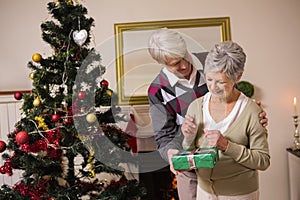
[(135, 69)]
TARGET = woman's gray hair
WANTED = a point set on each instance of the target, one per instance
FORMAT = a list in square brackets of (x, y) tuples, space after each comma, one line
[(227, 57), (166, 43)]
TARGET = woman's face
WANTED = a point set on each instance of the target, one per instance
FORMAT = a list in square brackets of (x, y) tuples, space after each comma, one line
[(219, 84)]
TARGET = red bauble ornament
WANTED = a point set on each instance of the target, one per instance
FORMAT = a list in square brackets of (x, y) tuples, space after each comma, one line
[(104, 83), (22, 137), (18, 95), (55, 117), (81, 95), (2, 146), (2, 170)]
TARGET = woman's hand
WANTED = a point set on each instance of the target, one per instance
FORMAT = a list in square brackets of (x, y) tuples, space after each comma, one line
[(216, 139), (189, 127), (171, 153)]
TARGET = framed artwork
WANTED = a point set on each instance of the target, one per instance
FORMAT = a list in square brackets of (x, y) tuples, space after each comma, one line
[(135, 68)]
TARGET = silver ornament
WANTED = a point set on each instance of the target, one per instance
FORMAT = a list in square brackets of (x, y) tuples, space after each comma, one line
[(80, 37), (126, 118)]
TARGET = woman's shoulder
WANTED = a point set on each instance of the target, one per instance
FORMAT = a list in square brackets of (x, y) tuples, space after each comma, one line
[(198, 101), (252, 108), (196, 105)]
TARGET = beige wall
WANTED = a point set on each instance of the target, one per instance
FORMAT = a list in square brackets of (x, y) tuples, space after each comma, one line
[(268, 30)]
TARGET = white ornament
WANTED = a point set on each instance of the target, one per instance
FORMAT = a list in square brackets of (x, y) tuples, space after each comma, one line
[(85, 86), (80, 37), (126, 118)]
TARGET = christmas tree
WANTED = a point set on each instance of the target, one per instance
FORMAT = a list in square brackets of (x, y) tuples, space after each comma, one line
[(69, 114)]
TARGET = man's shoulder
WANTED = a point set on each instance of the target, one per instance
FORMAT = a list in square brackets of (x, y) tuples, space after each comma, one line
[(158, 83), (201, 55), (161, 79)]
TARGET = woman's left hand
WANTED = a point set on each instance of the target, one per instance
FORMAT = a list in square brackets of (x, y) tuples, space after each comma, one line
[(216, 139)]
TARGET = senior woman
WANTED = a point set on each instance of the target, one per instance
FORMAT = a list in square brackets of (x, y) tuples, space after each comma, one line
[(229, 120)]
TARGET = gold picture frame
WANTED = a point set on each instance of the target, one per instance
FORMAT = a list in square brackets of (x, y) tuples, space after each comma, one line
[(135, 69)]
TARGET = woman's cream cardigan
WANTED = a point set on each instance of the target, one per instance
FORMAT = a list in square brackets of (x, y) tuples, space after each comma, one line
[(236, 173)]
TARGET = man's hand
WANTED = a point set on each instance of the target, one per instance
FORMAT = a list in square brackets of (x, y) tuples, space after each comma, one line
[(263, 115), (172, 152)]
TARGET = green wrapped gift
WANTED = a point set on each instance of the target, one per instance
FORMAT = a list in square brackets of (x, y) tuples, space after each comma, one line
[(201, 158)]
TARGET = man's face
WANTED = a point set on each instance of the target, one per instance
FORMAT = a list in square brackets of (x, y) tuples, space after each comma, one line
[(181, 67)]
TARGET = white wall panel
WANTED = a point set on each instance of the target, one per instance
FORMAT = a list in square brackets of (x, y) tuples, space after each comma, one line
[(9, 115)]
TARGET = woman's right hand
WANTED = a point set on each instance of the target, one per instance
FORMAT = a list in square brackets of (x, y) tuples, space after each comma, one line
[(171, 153), (189, 127)]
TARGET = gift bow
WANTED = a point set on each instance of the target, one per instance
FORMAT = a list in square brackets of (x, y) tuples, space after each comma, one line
[(191, 159)]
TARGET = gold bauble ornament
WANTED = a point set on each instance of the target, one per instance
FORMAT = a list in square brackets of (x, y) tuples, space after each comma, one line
[(42, 153), (109, 92), (70, 2), (36, 57), (56, 2), (91, 118), (37, 102), (31, 75)]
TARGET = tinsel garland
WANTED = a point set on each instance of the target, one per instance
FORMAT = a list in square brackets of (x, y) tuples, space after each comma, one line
[(91, 155), (41, 123)]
